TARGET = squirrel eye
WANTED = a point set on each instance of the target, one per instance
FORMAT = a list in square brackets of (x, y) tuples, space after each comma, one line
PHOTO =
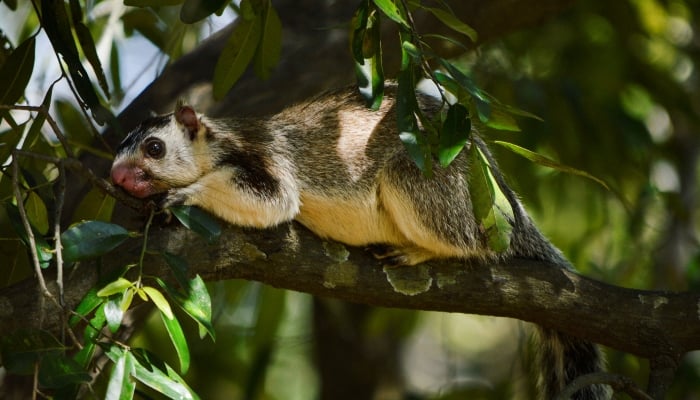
[(155, 148)]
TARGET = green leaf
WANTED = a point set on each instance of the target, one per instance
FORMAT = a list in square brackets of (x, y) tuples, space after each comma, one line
[(57, 26), (464, 81), (177, 336), (113, 314), (358, 26), (112, 288), (198, 221), (89, 302), (147, 23), (406, 109), (20, 350), (268, 53), (240, 49), (16, 72), (454, 23), (159, 301), (148, 369), (179, 267), (44, 250), (195, 301), (491, 208), (495, 117), (9, 140), (91, 239), (36, 212), (88, 45), (90, 334), (548, 162), (196, 10), (121, 386), (95, 205), (365, 41), (454, 134), (392, 11)]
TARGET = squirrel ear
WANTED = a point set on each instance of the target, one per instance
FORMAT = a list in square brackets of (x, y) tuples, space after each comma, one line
[(187, 117)]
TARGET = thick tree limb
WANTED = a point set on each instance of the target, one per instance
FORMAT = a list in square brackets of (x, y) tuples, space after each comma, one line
[(650, 324)]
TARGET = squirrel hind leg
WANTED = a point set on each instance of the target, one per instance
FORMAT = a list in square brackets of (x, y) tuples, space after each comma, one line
[(395, 256)]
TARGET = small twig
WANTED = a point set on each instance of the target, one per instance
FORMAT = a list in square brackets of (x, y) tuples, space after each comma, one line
[(52, 122), (35, 382), (619, 383), (27, 227), (130, 201), (60, 196)]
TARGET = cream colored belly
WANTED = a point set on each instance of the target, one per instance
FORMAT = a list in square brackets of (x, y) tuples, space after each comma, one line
[(356, 223)]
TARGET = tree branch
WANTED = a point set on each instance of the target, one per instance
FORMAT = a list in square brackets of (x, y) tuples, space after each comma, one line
[(651, 324)]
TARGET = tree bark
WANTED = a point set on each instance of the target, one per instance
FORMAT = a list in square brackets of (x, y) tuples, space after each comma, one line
[(649, 324)]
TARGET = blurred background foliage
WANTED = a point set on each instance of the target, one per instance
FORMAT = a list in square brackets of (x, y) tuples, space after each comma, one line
[(616, 85)]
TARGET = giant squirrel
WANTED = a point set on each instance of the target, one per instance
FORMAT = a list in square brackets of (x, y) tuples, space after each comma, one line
[(341, 170)]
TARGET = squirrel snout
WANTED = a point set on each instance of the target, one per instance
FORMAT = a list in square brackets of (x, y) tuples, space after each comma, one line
[(121, 175), (132, 179)]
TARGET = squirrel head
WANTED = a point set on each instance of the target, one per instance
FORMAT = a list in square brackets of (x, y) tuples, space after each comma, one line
[(161, 153)]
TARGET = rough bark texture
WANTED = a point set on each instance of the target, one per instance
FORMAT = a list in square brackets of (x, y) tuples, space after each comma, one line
[(651, 323)]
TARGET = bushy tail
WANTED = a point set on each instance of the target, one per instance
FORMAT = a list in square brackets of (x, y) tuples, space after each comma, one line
[(562, 359)]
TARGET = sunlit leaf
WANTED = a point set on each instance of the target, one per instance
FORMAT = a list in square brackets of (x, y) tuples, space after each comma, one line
[(113, 314), (177, 337), (148, 370), (390, 9), (121, 386), (117, 286), (548, 162), (91, 239), (195, 301), (454, 134), (239, 51), (268, 53), (88, 303), (90, 335), (159, 301), (491, 208), (198, 221)]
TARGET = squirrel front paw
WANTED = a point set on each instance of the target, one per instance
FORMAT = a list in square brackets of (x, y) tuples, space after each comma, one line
[(174, 197)]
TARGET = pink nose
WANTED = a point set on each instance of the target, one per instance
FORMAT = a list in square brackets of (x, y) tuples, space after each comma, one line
[(120, 174)]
